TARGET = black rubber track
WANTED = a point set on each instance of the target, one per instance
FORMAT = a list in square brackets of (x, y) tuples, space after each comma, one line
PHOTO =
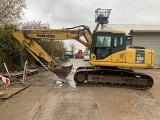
[(121, 73)]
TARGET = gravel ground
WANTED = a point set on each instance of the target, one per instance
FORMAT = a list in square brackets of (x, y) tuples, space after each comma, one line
[(49, 98)]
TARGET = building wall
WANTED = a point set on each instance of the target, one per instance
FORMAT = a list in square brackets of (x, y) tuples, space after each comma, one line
[(150, 42)]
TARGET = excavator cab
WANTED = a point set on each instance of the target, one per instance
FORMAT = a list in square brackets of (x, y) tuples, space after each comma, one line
[(109, 49), (106, 43)]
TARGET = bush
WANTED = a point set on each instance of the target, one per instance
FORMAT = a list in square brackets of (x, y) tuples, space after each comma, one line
[(11, 52)]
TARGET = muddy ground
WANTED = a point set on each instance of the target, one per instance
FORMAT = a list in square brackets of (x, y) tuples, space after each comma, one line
[(49, 98)]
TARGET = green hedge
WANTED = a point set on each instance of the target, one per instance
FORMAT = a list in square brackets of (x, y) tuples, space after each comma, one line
[(11, 52)]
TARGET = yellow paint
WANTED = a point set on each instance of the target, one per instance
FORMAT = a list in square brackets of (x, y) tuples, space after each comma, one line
[(125, 58)]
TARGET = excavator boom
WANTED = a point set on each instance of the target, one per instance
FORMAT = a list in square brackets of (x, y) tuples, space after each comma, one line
[(27, 39)]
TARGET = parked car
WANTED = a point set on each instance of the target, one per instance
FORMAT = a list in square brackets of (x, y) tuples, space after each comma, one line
[(86, 58)]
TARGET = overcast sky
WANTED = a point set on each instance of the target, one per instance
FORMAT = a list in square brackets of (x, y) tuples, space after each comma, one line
[(70, 13)]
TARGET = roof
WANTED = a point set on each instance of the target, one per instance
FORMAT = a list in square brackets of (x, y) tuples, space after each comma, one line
[(145, 32), (128, 27)]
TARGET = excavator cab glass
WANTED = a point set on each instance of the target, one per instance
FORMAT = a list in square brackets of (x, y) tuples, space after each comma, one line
[(102, 45), (105, 44)]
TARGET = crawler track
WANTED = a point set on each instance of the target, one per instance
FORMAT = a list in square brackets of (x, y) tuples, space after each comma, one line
[(99, 76)]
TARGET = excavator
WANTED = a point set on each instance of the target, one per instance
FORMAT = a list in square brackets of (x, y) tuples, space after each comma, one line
[(110, 59)]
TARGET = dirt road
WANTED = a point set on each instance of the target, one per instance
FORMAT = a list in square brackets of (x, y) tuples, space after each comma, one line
[(48, 98)]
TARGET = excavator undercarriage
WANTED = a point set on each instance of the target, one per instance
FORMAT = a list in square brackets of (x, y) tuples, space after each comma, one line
[(91, 76)]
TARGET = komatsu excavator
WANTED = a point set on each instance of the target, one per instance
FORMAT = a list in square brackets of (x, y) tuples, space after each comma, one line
[(109, 56)]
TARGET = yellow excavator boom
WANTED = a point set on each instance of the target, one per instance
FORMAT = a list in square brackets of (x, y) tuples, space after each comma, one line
[(27, 39)]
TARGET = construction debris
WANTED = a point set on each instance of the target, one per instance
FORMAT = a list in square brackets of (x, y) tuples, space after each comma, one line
[(14, 84), (4, 79)]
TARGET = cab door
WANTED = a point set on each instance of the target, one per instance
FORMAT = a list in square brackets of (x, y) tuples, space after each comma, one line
[(118, 49), (103, 46)]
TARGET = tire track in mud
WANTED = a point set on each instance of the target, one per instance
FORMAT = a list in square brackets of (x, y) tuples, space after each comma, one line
[(97, 103), (45, 100), (141, 105), (43, 107), (74, 106), (145, 107)]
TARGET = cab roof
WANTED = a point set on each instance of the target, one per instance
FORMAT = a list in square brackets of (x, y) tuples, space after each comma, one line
[(111, 31)]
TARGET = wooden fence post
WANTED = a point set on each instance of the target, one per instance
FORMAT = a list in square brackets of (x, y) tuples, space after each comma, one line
[(25, 71)]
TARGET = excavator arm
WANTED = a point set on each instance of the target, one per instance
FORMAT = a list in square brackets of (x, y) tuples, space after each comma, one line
[(27, 39), (33, 48)]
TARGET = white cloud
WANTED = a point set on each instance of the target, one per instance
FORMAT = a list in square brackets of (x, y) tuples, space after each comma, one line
[(70, 13)]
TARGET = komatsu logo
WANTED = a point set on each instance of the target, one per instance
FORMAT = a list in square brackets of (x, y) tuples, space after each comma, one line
[(45, 35)]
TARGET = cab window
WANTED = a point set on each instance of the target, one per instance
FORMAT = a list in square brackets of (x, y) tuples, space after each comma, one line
[(103, 41), (118, 40)]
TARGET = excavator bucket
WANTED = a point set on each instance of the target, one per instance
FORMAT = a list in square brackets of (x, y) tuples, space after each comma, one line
[(63, 71)]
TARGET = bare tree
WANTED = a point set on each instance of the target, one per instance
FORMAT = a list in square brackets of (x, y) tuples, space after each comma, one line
[(11, 10), (35, 25)]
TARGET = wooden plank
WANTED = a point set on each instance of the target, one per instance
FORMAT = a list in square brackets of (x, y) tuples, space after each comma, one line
[(20, 74), (13, 89)]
